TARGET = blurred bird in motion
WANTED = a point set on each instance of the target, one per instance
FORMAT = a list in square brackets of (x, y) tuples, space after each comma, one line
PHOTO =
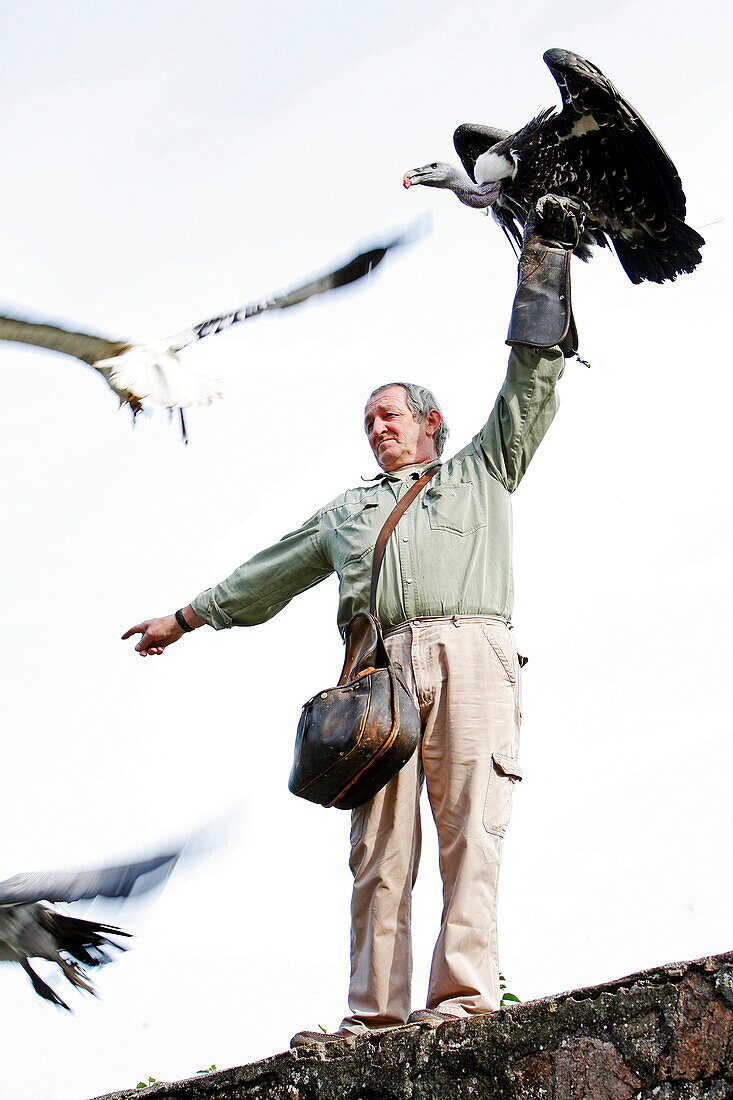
[(31, 929), (152, 371)]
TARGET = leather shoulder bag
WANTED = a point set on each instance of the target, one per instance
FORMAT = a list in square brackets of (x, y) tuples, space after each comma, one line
[(354, 737)]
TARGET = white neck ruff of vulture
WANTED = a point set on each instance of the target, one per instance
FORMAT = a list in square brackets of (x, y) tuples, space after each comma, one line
[(491, 167)]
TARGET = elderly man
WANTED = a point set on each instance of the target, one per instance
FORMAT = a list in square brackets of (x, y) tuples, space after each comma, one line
[(445, 601)]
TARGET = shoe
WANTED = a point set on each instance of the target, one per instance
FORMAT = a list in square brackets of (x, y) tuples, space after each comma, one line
[(313, 1038), (430, 1017)]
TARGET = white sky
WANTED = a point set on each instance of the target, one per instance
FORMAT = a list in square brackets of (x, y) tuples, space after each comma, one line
[(165, 162)]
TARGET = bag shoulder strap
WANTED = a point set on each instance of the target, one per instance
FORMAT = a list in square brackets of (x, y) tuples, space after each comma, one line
[(390, 523)]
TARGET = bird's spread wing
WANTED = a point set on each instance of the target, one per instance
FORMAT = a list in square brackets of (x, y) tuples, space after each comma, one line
[(355, 268), (152, 371), (136, 372), (82, 345), (594, 109), (106, 882), (472, 140)]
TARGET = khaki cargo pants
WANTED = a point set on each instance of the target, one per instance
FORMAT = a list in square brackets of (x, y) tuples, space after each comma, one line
[(463, 672)]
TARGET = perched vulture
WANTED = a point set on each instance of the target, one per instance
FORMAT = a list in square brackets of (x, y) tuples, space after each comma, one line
[(152, 371), (30, 929), (596, 150)]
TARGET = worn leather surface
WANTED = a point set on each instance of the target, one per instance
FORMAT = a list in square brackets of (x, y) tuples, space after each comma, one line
[(364, 647), (354, 737), (542, 308), (542, 313)]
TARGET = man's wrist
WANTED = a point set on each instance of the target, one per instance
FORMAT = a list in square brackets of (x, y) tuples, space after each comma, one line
[(187, 619)]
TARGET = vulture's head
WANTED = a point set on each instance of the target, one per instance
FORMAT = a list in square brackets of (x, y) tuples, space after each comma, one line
[(438, 174)]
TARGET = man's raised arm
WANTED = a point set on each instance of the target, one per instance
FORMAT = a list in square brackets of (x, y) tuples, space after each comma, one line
[(541, 333)]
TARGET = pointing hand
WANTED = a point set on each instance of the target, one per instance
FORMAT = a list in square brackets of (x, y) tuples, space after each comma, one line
[(162, 632)]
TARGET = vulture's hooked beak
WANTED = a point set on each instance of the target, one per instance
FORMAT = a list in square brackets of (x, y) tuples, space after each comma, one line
[(412, 177), (430, 174)]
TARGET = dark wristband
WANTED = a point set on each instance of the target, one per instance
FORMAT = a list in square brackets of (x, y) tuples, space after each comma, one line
[(182, 622)]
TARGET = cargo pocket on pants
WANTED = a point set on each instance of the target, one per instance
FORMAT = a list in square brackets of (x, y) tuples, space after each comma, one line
[(505, 772)]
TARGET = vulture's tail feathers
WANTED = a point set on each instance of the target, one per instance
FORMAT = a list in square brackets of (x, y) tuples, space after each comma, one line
[(672, 251), (41, 988)]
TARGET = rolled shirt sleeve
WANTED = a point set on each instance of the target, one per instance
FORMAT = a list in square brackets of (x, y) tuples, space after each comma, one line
[(266, 583)]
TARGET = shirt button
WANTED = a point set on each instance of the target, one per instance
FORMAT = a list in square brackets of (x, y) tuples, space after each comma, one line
[(409, 580), (405, 539)]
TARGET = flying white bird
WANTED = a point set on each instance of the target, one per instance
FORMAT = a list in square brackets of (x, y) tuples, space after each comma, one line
[(152, 371), (30, 929)]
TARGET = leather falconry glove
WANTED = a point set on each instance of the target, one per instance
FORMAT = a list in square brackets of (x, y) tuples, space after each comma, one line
[(542, 314)]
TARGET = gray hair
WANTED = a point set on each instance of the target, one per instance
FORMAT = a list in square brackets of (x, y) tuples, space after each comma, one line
[(420, 401)]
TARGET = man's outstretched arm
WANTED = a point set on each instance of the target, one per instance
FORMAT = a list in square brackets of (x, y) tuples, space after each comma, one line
[(162, 632), (252, 594)]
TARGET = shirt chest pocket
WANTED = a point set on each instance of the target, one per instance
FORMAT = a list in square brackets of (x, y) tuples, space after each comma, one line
[(358, 527), (454, 508)]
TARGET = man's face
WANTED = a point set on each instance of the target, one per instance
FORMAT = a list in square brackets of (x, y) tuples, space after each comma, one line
[(395, 437)]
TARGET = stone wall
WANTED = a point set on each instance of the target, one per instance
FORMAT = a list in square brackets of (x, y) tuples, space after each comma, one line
[(663, 1034)]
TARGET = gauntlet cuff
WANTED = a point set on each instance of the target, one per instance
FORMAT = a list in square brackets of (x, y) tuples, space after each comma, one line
[(542, 314)]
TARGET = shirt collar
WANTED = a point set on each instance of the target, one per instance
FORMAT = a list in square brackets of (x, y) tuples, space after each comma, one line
[(405, 473)]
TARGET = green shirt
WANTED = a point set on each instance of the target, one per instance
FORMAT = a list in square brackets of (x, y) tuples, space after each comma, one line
[(451, 553)]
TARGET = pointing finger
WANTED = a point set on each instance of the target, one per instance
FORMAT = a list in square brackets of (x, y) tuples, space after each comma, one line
[(139, 629)]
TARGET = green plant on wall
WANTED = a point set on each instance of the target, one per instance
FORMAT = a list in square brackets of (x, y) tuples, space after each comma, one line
[(507, 999)]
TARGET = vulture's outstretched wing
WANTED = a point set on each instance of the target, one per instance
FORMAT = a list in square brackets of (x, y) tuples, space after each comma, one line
[(105, 882), (592, 105), (616, 145)]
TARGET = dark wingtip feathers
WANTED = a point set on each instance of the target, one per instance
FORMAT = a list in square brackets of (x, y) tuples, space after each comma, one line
[(86, 941)]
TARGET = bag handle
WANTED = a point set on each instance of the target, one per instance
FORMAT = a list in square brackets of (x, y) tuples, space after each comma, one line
[(391, 522)]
